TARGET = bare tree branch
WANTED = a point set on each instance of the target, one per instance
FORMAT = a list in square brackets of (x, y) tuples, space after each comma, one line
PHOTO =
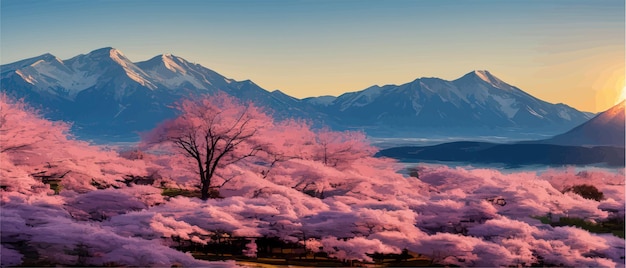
[(212, 132)]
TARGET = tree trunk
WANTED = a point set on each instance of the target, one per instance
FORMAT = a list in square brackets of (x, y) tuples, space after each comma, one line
[(205, 189)]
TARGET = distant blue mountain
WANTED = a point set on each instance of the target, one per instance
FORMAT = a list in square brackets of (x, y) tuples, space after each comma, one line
[(108, 96), (599, 141), (510, 155), (477, 103), (607, 128)]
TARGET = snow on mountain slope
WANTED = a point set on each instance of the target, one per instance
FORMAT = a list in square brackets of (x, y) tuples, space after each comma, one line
[(493, 81), (173, 72), (109, 63), (25, 62), (361, 98), (506, 105), (70, 77), (131, 69), (48, 73)]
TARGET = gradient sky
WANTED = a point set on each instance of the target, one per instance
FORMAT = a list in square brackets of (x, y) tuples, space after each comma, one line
[(559, 51)]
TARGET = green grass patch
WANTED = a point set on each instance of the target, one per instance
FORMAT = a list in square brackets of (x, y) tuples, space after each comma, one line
[(173, 192), (613, 226)]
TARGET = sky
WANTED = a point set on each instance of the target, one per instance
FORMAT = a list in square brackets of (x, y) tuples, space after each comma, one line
[(568, 52)]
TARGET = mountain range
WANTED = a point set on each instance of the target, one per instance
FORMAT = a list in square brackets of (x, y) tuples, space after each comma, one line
[(105, 94), (477, 103)]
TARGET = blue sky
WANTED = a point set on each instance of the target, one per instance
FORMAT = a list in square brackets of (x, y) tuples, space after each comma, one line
[(560, 51)]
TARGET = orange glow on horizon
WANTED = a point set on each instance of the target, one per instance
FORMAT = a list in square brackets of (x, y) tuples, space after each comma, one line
[(609, 87)]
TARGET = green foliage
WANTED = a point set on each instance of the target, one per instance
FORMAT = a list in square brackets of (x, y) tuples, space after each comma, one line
[(543, 219), (581, 223), (586, 191), (172, 192), (614, 226)]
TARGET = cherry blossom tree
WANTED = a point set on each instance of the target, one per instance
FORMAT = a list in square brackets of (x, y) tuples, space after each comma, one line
[(22, 128), (339, 149), (214, 132), (47, 151), (310, 160)]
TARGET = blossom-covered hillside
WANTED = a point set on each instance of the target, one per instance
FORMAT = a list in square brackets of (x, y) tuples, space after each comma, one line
[(65, 202)]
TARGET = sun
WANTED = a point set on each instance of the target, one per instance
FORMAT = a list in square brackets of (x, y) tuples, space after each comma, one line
[(622, 96), (608, 84)]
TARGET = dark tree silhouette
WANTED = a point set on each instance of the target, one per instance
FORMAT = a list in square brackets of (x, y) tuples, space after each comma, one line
[(214, 131)]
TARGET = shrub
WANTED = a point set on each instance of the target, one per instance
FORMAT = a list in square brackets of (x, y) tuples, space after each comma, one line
[(586, 191)]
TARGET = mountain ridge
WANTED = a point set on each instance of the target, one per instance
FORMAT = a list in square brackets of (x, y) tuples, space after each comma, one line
[(477, 99), (117, 94), (605, 129)]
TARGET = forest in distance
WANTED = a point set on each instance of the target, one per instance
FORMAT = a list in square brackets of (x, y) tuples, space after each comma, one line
[(225, 174)]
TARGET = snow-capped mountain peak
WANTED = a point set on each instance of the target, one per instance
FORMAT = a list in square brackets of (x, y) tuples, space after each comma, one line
[(174, 72), (103, 55), (171, 62), (490, 79), (118, 57), (108, 59), (102, 63), (132, 71), (26, 62), (485, 76), (48, 73)]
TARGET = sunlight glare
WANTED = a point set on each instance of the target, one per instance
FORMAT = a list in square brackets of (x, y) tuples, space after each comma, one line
[(622, 96)]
